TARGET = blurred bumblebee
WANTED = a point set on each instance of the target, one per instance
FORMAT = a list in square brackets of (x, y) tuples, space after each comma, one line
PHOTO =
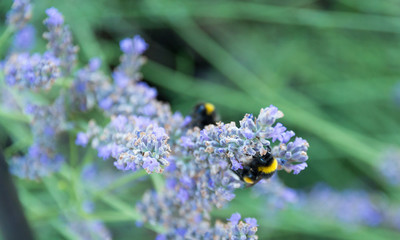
[(260, 167), (203, 114)]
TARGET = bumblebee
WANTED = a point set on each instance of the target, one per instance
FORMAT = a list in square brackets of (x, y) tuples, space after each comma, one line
[(260, 167), (203, 114)]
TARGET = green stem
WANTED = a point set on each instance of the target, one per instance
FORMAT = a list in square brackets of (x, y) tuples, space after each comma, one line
[(261, 12), (119, 182), (129, 211), (4, 38), (37, 207), (158, 182), (49, 184)]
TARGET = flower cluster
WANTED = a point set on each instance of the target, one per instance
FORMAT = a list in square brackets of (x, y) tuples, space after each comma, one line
[(126, 95), (83, 93), (199, 176), (20, 13), (239, 144), (237, 229), (31, 71), (42, 157), (140, 127), (133, 142), (38, 72)]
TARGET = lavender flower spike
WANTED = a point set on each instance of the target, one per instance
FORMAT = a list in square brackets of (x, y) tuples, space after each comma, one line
[(59, 39), (20, 13), (32, 72), (135, 142), (131, 61), (148, 149)]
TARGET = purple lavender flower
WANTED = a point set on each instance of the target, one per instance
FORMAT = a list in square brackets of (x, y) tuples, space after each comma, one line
[(20, 13), (235, 218), (59, 39), (55, 18), (38, 162), (94, 64), (356, 207), (133, 46), (81, 139), (292, 156), (42, 158), (83, 93), (34, 72), (106, 103), (251, 221), (126, 45), (131, 60), (236, 229), (24, 39), (147, 148), (139, 45), (133, 142), (161, 237)]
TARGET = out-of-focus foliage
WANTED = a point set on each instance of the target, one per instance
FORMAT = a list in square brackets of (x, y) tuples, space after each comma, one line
[(330, 66)]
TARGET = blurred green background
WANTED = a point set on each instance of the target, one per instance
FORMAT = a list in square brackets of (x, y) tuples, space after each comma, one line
[(330, 66)]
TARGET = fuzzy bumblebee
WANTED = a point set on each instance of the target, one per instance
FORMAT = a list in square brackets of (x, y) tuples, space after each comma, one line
[(260, 167), (203, 114)]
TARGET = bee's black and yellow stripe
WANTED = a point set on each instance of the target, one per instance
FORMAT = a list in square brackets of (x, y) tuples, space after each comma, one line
[(260, 167), (269, 169), (248, 180)]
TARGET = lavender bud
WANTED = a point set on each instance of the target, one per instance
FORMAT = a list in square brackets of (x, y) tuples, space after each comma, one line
[(55, 18), (82, 139)]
